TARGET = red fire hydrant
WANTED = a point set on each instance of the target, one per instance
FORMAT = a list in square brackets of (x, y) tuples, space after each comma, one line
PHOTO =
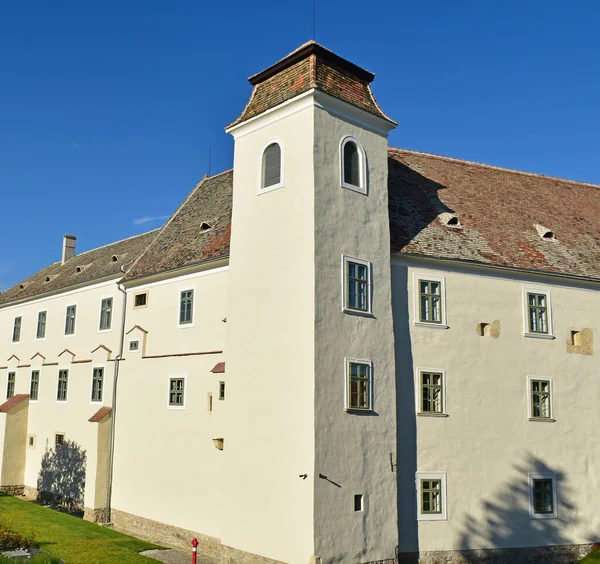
[(194, 550)]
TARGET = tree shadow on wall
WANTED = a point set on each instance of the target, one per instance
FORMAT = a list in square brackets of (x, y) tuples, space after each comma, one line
[(61, 481), (508, 523)]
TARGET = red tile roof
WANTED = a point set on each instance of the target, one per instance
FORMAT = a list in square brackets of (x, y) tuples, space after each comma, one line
[(100, 414), (219, 368), (499, 211), (12, 402)]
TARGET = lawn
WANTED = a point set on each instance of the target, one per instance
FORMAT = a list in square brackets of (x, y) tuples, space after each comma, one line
[(591, 558), (74, 540)]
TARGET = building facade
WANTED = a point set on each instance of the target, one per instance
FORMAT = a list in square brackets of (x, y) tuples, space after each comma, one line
[(337, 351)]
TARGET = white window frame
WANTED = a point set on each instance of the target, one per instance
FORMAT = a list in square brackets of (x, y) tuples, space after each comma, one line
[(134, 351), (443, 516), (526, 332), (20, 317), (545, 476), (45, 326), (185, 391), (39, 382), (70, 335), (94, 367), (417, 306), (193, 322), (529, 404), (66, 400), (369, 311), (369, 363), (418, 403), (112, 314), (260, 190), (362, 159)]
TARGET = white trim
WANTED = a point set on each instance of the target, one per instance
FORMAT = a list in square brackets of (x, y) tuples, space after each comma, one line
[(94, 366), (68, 380), (112, 311), (61, 294), (193, 321), (134, 351), (345, 309), (529, 404), (526, 333), (176, 279), (39, 371), (185, 392), (363, 187), (443, 516), (545, 476), (261, 167), (416, 306), (347, 408), (418, 371)]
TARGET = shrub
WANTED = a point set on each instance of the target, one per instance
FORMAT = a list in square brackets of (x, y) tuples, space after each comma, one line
[(9, 539)]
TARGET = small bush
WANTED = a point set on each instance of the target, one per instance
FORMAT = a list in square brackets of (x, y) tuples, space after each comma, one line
[(11, 540)]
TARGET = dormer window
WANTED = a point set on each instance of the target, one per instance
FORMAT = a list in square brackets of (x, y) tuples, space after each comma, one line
[(544, 232), (353, 165), (271, 167)]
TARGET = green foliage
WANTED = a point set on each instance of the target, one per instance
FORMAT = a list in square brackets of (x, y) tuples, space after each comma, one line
[(10, 539), (73, 540)]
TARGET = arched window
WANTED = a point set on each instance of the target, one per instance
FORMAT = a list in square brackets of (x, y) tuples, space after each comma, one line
[(353, 165), (271, 166)]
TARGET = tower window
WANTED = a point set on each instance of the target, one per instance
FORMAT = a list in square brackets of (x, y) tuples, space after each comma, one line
[(353, 169), (271, 166)]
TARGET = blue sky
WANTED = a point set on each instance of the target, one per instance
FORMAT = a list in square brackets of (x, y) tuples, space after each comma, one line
[(107, 109)]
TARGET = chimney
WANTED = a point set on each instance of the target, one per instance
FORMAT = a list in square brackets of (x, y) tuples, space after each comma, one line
[(68, 251)]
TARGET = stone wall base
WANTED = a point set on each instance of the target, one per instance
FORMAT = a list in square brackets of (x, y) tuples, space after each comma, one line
[(30, 492), (565, 554), (12, 490), (231, 555), (94, 515), (161, 533)]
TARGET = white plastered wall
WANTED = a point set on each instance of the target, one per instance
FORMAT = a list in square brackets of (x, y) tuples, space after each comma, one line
[(487, 445)]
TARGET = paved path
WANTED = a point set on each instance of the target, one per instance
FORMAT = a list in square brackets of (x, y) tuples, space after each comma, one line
[(171, 556)]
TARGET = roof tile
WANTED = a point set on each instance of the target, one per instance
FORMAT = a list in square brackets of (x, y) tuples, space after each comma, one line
[(13, 402)]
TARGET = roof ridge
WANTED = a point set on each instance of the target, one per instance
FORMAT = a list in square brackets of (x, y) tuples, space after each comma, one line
[(494, 167), (113, 243)]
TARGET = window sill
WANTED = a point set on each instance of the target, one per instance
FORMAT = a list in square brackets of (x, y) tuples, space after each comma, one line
[(358, 312), (544, 516), (431, 325), (539, 336), (358, 410), (431, 517), (176, 407), (104, 330), (542, 419), (185, 325), (427, 414), (261, 190), (358, 189)]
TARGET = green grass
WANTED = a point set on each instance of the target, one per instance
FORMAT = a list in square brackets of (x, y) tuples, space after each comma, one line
[(591, 558), (39, 559), (74, 540)]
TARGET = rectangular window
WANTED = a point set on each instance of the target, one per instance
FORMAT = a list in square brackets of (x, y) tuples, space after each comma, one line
[(540, 397), (106, 314), (134, 346), (16, 337), (140, 300), (358, 384), (63, 381), (70, 320), (35, 385), (357, 285), (537, 309), (186, 304), (430, 301), (176, 392), (221, 390), (432, 392), (10, 385), (542, 496), (41, 325), (358, 502), (59, 439), (30, 441), (431, 496), (97, 384)]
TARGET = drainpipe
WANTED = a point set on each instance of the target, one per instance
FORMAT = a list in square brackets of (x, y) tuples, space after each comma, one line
[(111, 452)]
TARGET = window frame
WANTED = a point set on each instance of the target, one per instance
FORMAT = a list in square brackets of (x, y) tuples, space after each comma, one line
[(11, 384), (72, 334), (192, 322), (369, 364), (260, 190), (111, 314), (140, 294), (542, 476), (31, 382), (103, 381), (417, 278), (17, 328), (526, 328), (45, 325), (346, 260), (530, 415), (221, 390), (62, 369), (363, 188), (59, 434), (443, 514), (185, 391), (419, 371), (134, 351)]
